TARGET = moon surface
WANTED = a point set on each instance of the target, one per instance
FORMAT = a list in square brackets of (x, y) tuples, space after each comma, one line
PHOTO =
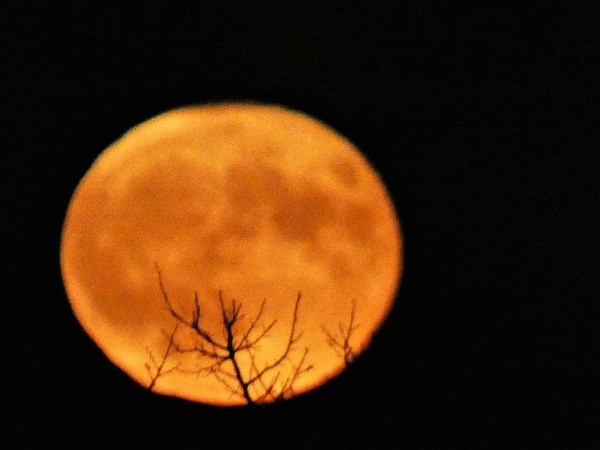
[(256, 201)]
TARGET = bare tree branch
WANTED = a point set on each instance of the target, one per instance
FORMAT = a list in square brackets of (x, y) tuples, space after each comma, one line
[(159, 367), (294, 337), (228, 356), (194, 323), (287, 389), (340, 343), (251, 328)]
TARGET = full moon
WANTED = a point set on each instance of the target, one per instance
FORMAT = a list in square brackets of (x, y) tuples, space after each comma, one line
[(232, 253)]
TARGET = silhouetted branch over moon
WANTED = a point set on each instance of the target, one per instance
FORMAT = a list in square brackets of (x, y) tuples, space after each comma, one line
[(234, 359), (340, 341)]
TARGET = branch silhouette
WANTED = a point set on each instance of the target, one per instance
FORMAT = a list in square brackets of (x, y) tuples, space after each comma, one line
[(232, 358), (340, 342), (157, 369)]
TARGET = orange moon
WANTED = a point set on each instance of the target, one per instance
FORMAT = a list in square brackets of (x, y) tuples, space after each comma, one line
[(256, 202)]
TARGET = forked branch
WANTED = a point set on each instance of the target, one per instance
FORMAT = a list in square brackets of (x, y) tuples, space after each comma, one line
[(233, 359), (340, 342), (157, 369)]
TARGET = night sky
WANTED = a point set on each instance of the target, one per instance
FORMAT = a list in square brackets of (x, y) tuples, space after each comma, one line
[(483, 123)]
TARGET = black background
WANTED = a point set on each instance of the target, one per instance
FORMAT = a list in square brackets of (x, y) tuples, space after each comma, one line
[(484, 124)]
